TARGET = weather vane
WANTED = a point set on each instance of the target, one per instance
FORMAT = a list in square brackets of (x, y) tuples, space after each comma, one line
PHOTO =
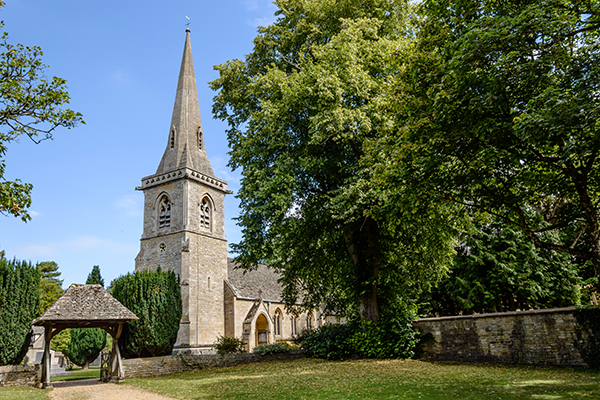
[(187, 26)]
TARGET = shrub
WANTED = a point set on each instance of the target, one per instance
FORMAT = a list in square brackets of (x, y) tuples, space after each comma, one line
[(299, 338), (330, 342), (229, 345), (388, 339), (266, 349), (19, 299), (155, 297)]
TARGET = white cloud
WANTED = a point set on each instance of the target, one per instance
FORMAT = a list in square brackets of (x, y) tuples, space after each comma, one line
[(120, 78), (264, 11), (34, 213), (130, 205)]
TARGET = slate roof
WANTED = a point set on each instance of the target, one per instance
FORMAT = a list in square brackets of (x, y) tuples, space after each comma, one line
[(246, 284), (85, 304)]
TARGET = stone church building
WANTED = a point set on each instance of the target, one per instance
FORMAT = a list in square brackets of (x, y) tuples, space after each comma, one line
[(184, 232)]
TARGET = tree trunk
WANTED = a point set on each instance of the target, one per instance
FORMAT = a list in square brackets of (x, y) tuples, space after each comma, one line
[(365, 255), (86, 365)]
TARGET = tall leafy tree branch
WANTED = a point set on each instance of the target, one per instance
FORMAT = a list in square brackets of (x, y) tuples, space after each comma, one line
[(300, 109), (31, 105), (498, 108)]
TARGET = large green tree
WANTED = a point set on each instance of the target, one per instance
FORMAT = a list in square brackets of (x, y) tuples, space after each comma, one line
[(300, 108), (498, 109), (87, 343), (30, 105)]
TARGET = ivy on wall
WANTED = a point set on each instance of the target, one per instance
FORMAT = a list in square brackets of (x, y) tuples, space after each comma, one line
[(588, 335)]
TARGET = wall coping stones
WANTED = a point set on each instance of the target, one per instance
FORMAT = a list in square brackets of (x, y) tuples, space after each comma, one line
[(564, 310)]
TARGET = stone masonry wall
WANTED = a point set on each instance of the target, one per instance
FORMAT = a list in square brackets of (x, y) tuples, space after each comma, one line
[(19, 375), (143, 367), (541, 337)]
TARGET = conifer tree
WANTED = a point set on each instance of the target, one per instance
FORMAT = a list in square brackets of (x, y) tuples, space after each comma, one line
[(155, 297), (87, 343), (19, 298), (50, 286)]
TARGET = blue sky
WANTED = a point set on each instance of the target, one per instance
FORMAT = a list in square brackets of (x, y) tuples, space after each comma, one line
[(121, 60)]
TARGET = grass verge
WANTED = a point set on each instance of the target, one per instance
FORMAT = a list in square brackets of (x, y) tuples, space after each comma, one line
[(377, 379), (78, 373)]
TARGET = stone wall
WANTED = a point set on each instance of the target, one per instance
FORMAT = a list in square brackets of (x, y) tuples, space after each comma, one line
[(541, 337), (143, 367), (19, 375)]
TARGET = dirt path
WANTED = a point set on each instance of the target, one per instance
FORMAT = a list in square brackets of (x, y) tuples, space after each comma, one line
[(91, 389)]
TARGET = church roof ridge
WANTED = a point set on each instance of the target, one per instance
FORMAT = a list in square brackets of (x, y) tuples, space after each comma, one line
[(185, 145)]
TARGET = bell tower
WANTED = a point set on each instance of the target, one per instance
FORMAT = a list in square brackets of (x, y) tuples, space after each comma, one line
[(184, 221)]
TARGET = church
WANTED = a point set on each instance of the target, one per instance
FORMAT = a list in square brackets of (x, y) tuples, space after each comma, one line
[(184, 232)]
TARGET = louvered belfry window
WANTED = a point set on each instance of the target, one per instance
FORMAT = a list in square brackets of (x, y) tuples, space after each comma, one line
[(164, 218), (205, 214)]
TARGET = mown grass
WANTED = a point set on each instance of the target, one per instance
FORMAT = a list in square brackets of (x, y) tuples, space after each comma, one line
[(78, 373), (23, 393), (377, 379)]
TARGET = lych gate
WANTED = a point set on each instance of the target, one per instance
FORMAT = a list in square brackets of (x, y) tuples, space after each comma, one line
[(85, 306)]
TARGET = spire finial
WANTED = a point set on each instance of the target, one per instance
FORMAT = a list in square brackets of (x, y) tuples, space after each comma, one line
[(187, 25)]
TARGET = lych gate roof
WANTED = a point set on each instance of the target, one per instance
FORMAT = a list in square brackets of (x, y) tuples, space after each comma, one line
[(248, 284), (86, 306)]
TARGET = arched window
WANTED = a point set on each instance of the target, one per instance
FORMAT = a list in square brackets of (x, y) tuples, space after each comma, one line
[(294, 330), (164, 216), (277, 322), (309, 321), (205, 212), (172, 137), (200, 137)]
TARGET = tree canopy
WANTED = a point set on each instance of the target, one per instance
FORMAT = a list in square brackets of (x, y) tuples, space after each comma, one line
[(50, 286), (30, 105), (497, 268), (301, 108), (497, 108)]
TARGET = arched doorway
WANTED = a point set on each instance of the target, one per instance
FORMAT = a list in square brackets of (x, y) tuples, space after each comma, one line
[(262, 330)]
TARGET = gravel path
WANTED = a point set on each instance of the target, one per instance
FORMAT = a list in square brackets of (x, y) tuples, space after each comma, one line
[(92, 389)]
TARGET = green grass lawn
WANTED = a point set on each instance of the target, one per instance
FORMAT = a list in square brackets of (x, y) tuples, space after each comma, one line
[(377, 379), (23, 393), (78, 373)]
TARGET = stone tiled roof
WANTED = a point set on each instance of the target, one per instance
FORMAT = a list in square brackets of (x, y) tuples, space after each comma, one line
[(82, 303), (247, 284)]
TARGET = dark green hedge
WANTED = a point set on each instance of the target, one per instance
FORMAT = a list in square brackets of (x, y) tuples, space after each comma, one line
[(155, 297), (19, 299)]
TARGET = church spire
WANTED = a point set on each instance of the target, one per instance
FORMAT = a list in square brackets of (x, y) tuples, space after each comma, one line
[(185, 147)]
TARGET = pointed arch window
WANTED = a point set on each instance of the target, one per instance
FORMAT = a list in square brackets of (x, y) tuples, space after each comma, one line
[(205, 213), (164, 216), (172, 137), (199, 137), (277, 322)]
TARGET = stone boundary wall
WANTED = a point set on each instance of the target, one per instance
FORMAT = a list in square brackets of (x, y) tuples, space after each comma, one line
[(541, 337), (19, 375), (143, 367)]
